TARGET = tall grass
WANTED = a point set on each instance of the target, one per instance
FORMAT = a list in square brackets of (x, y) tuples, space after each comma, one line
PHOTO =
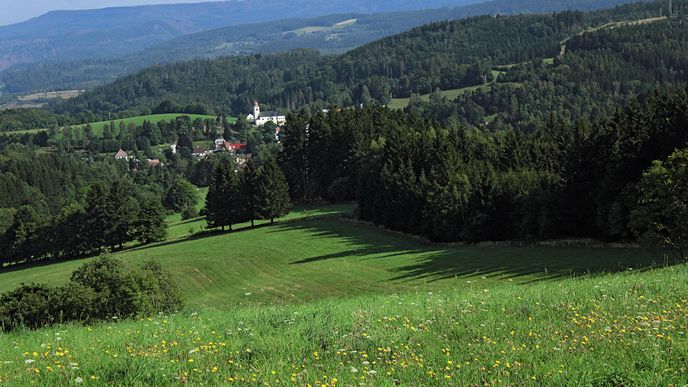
[(621, 329)]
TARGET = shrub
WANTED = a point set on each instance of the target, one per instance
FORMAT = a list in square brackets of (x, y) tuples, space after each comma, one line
[(189, 213), (160, 292), (28, 306), (98, 290)]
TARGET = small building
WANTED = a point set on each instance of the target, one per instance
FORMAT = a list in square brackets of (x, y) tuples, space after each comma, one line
[(121, 155), (259, 118), (152, 163), (199, 151)]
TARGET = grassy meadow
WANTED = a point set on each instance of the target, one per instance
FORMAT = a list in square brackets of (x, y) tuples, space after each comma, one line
[(138, 121), (620, 329), (320, 299)]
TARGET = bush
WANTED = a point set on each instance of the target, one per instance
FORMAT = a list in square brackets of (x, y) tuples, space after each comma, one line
[(98, 290), (189, 213), (28, 306)]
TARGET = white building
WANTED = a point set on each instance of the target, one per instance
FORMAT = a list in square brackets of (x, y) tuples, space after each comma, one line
[(259, 118)]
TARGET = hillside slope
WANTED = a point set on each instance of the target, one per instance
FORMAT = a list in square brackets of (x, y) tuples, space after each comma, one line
[(65, 35), (329, 34), (443, 55), (624, 329)]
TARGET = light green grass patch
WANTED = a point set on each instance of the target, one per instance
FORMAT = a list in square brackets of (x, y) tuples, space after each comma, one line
[(623, 329)]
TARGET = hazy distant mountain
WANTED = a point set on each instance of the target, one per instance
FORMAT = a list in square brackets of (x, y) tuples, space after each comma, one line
[(109, 32), (329, 34)]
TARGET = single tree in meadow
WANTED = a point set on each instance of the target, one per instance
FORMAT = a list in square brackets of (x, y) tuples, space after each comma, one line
[(273, 192), (150, 225), (98, 224), (122, 214), (249, 192), (661, 217)]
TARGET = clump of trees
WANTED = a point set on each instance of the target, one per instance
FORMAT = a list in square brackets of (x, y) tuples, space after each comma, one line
[(245, 195), (661, 217), (110, 218), (463, 184), (98, 290)]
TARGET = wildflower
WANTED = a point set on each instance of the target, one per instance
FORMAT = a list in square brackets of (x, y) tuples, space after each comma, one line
[(79, 380)]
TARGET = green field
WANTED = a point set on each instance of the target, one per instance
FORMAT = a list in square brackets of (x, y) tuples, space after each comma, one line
[(479, 328), (138, 121), (154, 119), (313, 254), (318, 298)]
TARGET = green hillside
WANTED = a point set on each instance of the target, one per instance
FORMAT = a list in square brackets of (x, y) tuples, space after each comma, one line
[(302, 260), (624, 329), (153, 119)]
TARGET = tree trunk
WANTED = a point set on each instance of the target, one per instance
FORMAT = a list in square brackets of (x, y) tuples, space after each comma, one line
[(272, 220), (253, 223)]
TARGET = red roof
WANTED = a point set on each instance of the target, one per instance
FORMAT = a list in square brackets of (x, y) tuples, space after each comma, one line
[(234, 146), (153, 163), (121, 154)]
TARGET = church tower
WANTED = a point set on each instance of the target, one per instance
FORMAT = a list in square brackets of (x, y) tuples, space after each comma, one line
[(256, 110)]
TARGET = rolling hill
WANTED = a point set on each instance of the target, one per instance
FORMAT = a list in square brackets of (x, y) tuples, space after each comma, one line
[(111, 32), (124, 57), (398, 311)]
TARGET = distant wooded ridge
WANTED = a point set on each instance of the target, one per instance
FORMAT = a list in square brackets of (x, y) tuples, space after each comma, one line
[(72, 62)]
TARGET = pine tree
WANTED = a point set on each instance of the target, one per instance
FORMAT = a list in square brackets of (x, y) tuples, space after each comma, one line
[(273, 192), (98, 222), (150, 226), (122, 214), (232, 209), (249, 192), (214, 200)]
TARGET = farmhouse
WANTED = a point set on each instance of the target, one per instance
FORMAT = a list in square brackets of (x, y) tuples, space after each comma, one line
[(221, 145), (259, 118), (199, 151), (121, 155)]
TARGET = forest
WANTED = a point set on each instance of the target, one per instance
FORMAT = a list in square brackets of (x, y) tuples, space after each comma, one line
[(413, 175), (262, 37), (516, 58), (546, 149)]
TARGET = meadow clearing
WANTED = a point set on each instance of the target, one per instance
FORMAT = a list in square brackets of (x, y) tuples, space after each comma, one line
[(320, 299)]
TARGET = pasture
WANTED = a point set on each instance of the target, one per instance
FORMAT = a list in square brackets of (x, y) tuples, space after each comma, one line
[(614, 329)]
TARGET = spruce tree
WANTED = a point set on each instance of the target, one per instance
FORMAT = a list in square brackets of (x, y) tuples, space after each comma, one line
[(98, 221), (214, 199), (273, 192), (150, 226), (249, 192), (122, 214)]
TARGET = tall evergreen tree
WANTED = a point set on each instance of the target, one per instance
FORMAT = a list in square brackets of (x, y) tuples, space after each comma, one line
[(249, 192), (98, 223), (122, 214), (273, 192), (150, 225)]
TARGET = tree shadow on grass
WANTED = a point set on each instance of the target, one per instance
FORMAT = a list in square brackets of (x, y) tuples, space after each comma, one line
[(422, 261)]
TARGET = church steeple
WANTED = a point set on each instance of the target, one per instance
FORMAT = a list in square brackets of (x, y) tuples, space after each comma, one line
[(256, 110)]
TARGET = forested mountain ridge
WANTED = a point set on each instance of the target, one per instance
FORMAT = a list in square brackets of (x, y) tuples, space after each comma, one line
[(111, 32), (441, 55), (328, 34)]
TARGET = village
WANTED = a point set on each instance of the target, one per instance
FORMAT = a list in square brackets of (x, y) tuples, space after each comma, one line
[(238, 150)]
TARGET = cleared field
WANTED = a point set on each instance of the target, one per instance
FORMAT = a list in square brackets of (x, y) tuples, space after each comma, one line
[(402, 103), (138, 121), (154, 119)]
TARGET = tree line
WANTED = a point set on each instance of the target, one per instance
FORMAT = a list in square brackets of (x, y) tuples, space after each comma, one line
[(462, 184), (246, 195), (110, 218)]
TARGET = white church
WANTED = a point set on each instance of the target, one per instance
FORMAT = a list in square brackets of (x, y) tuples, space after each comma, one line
[(259, 118)]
